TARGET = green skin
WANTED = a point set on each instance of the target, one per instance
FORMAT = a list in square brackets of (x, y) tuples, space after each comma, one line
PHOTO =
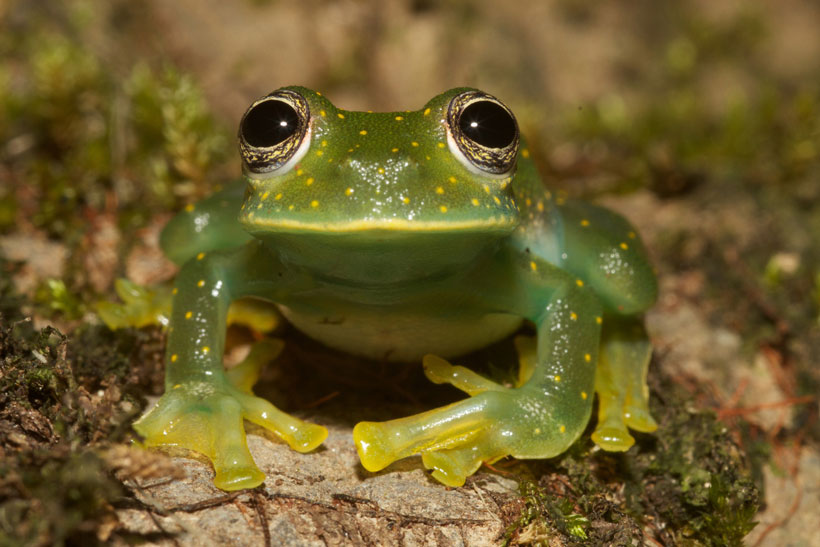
[(380, 241)]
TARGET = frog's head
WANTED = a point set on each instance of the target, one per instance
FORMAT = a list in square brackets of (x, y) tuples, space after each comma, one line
[(379, 197)]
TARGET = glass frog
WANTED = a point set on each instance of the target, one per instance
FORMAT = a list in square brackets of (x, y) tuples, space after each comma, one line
[(406, 236)]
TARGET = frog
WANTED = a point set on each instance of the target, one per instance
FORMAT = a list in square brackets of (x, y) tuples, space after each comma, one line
[(408, 236)]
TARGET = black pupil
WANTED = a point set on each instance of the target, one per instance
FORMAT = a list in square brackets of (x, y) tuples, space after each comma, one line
[(269, 123), (488, 124)]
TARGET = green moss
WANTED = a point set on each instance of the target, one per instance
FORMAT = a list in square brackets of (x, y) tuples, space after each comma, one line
[(695, 477), (68, 499), (689, 480), (544, 512), (87, 133), (54, 487), (54, 298)]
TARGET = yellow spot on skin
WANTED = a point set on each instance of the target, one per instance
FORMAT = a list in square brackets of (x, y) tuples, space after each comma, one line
[(474, 201), (406, 200), (314, 203), (399, 118), (414, 143), (584, 395), (322, 113), (278, 196), (348, 191), (341, 116), (300, 171), (426, 111), (598, 320), (174, 358), (525, 153), (380, 170), (206, 350), (452, 179), (585, 223), (188, 314), (557, 378), (573, 315), (189, 207), (265, 196), (309, 181), (533, 266), (443, 208), (624, 246), (363, 132), (587, 357), (394, 150), (175, 291), (563, 429), (200, 256), (200, 283), (579, 282), (320, 153), (441, 145), (631, 235), (439, 190)]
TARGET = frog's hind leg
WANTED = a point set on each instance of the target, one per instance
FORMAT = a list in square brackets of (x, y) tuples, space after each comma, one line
[(244, 375), (620, 382)]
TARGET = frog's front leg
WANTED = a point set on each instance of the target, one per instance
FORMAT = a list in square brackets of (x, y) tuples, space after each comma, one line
[(203, 408), (538, 419)]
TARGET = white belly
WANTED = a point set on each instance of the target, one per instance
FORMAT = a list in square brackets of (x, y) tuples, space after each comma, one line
[(399, 337)]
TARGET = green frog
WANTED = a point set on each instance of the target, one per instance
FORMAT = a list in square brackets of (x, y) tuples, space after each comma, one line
[(406, 236)]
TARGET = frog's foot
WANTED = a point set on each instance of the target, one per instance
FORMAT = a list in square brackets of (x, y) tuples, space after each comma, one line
[(140, 307), (614, 416), (623, 397), (208, 418), (455, 440)]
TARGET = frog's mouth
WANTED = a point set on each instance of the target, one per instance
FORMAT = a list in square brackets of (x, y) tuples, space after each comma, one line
[(380, 226)]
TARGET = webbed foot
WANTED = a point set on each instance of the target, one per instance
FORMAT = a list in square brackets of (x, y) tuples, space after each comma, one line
[(207, 417), (623, 397), (140, 307), (455, 440)]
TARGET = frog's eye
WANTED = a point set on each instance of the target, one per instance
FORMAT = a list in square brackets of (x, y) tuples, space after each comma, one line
[(274, 133), (482, 133)]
